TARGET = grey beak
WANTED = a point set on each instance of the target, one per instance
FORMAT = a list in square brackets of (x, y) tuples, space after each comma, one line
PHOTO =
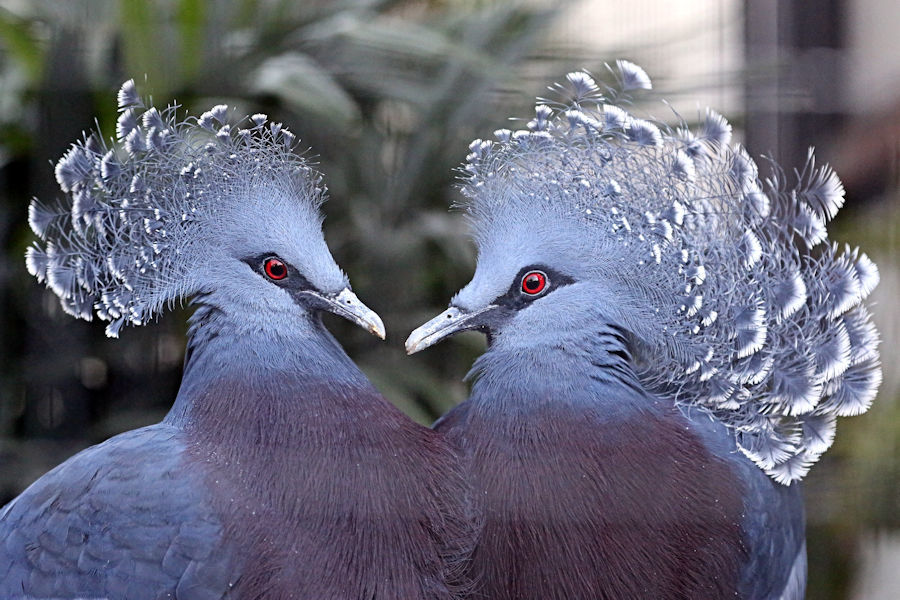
[(347, 305), (445, 324)]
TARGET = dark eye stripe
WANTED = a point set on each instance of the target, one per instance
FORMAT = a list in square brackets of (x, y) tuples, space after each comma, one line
[(287, 276), (523, 291)]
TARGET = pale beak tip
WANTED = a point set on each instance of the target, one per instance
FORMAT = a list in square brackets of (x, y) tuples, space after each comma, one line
[(375, 325), (418, 340), (413, 343), (435, 330), (350, 307)]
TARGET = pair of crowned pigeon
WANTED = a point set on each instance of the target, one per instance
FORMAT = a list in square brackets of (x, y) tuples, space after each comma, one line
[(671, 339)]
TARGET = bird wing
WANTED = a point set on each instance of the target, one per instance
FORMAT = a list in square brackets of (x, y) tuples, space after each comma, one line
[(796, 584), (775, 535), (124, 519)]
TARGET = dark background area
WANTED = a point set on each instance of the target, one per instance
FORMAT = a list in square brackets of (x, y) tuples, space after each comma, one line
[(387, 94)]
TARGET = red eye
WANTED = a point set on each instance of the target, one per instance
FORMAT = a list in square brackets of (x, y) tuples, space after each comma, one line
[(275, 269), (534, 283)]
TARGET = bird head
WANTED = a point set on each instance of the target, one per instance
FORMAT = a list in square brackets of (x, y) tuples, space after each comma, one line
[(598, 231), (190, 208), (532, 286)]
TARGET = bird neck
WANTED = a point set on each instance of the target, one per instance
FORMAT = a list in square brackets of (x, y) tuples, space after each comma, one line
[(306, 461), (234, 377), (577, 369)]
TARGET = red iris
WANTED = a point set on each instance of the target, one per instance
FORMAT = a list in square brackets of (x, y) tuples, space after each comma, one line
[(275, 269), (534, 283)]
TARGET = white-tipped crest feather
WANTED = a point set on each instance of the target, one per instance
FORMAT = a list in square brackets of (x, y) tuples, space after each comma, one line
[(139, 215), (750, 315)]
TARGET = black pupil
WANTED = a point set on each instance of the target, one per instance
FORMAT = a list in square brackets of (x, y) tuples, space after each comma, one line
[(276, 269), (532, 283)]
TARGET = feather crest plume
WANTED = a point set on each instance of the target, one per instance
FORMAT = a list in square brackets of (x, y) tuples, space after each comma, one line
[(749, 311), (140, 212)]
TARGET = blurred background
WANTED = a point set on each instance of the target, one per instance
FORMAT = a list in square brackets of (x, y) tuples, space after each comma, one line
[(388, 93)]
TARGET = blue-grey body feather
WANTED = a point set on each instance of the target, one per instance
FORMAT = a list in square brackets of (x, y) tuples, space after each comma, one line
[(123, 519)]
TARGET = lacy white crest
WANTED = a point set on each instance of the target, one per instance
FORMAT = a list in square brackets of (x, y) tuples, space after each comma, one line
[(754, 316), (136, 215)]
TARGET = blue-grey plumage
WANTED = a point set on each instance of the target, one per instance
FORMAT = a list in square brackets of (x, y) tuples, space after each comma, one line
[(280, 472), (670, 343), (128, 508)]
